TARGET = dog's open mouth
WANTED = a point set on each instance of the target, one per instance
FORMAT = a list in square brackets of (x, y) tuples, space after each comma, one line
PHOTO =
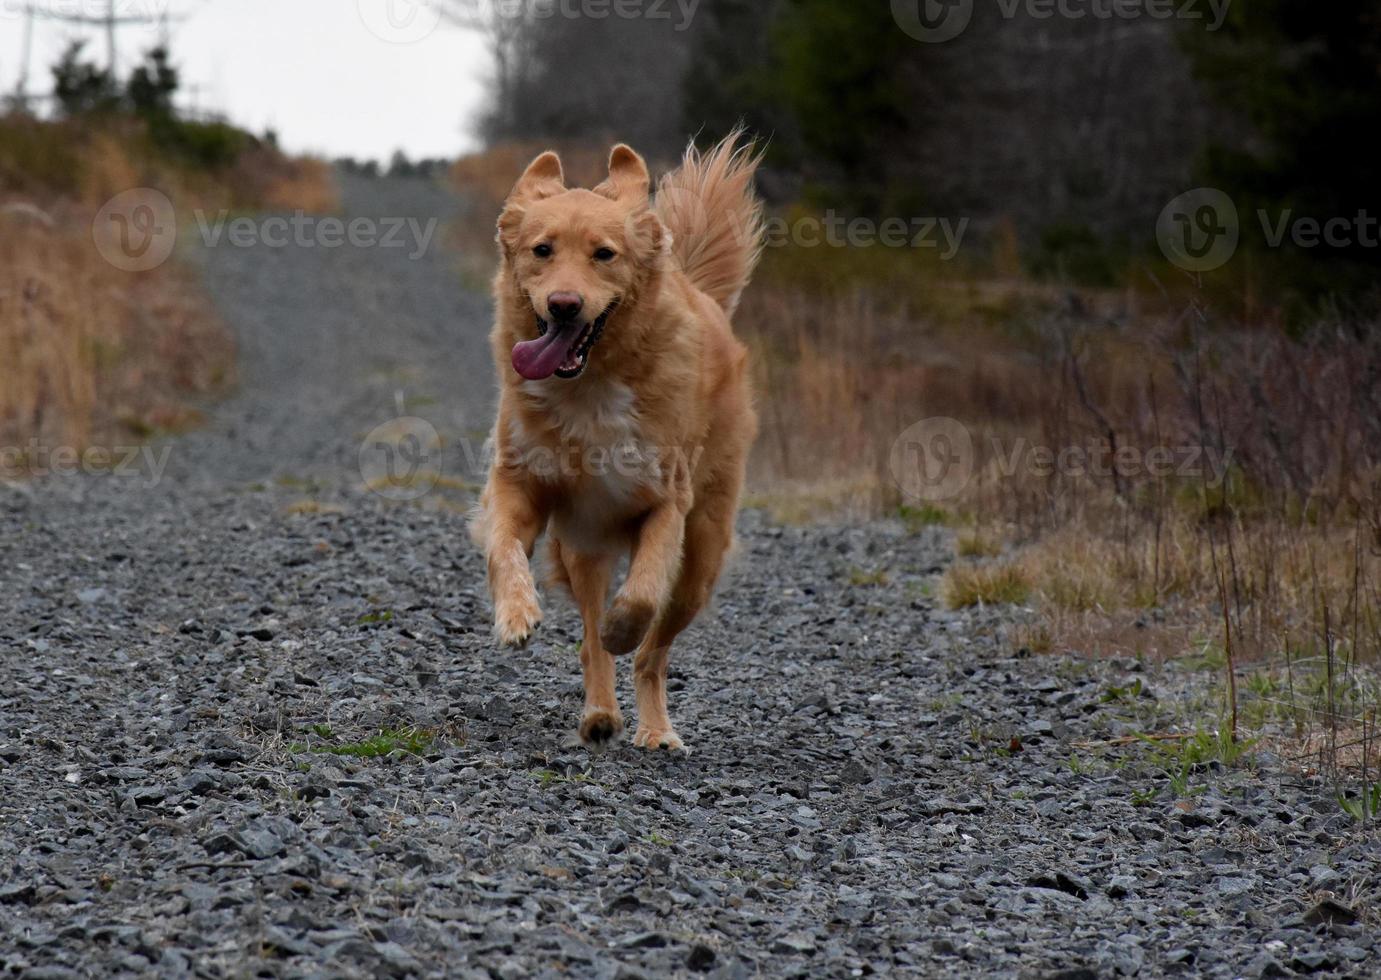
[(562, 349)]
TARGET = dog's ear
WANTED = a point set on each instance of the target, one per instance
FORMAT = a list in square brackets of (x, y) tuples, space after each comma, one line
[(649, 239), (543, 178), (628, 176)]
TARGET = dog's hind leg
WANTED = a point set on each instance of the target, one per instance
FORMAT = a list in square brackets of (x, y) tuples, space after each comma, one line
[(589, 581), (709, 534)]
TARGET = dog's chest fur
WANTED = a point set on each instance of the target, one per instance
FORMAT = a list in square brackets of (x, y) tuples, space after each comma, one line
[(588, 415), (602, 457)]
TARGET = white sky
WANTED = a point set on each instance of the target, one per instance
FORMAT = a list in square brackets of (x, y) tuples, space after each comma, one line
[(320, 72)]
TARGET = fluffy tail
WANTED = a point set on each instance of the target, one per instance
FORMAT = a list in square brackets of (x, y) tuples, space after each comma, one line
[(715, 218)]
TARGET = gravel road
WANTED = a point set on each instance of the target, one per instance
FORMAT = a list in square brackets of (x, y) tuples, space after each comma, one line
[(251, 724)]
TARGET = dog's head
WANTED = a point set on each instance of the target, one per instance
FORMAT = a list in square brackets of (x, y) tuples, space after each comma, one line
[(575, 256)]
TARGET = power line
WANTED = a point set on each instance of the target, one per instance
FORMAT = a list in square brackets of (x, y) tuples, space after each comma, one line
[(110, 21), (112, 18)]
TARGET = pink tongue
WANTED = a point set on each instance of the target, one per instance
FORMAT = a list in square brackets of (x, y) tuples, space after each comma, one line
[(538, 359)]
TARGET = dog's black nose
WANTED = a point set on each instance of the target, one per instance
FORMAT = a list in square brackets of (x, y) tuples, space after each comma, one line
[(564, 306)]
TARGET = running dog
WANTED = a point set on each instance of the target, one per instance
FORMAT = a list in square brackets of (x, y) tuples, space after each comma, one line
[(625, 411)]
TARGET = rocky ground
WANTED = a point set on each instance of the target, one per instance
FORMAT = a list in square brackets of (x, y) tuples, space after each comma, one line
[(251, 723)]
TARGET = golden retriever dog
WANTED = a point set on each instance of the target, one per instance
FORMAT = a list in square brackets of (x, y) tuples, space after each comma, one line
[(625, 412)]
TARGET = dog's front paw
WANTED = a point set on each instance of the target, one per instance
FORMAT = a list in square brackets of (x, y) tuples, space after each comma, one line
[(515, 618), (626, 625), (658, 738), (600, 725)]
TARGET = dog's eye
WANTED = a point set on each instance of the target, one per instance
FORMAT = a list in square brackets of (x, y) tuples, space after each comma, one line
[(542, 251), (604, 254)]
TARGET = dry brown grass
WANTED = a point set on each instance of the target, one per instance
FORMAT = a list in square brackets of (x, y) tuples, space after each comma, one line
[(84, 163), (1277, 563), (268, 181), (996, 584), (1131, 562), (90, 354)]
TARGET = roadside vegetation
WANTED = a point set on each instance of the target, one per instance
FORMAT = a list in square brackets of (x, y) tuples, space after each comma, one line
[(91, 355)]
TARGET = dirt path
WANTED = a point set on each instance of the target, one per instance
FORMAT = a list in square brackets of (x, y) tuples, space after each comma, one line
[(251, 723), (330, 337)]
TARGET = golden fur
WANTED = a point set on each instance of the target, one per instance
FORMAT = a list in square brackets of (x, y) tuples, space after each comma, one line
[(643, 453)]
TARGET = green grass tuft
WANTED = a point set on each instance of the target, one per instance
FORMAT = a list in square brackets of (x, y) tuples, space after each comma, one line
[(861, 577), (413, 741), (919, 518)]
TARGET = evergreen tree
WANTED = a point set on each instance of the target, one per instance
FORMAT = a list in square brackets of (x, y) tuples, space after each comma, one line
[(80, 86), (152, 85), (1305, 78)]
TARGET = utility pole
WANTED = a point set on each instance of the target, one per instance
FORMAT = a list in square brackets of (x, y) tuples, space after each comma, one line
[(110, 36), (21, 86), (110, 21)]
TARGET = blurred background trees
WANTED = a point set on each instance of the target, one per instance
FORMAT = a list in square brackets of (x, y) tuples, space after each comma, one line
[(1073, 133), (1299, 87), (82, 87)]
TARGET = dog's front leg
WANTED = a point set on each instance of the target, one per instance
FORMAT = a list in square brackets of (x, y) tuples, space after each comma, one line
[(656, 557), (512, 522)]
